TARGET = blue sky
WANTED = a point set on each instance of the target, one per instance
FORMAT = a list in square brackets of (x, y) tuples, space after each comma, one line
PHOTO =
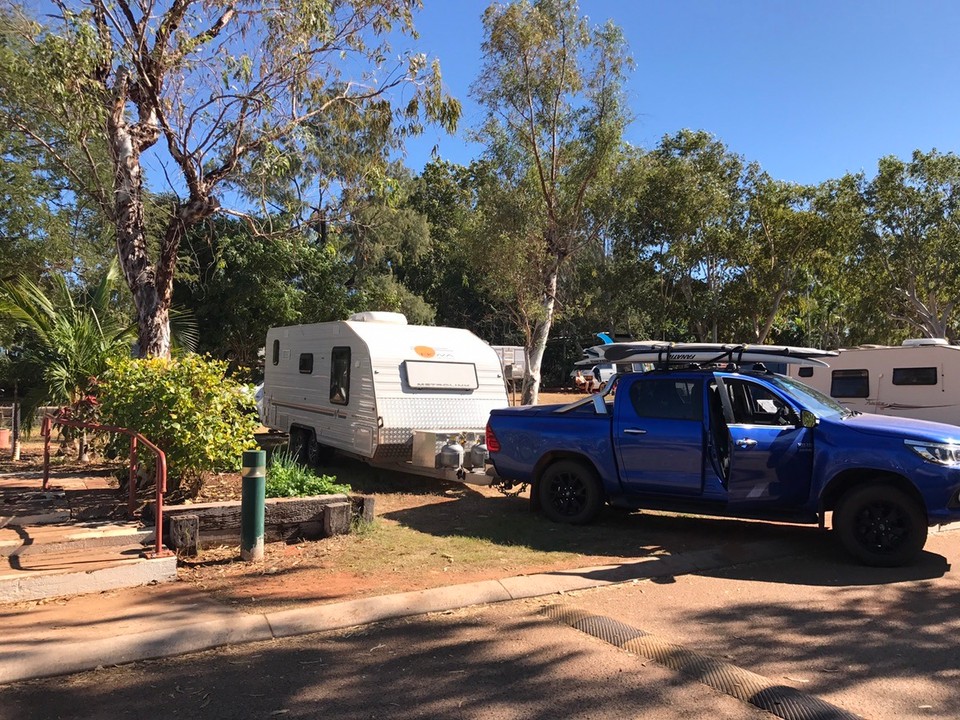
[(810, 89)]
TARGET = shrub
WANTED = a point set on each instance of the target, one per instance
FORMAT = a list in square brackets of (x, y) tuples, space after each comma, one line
[(286, 478), (199, 417)]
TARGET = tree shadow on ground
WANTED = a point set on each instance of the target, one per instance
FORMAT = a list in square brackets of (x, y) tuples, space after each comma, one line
[(474, 664), (631, 536), (890, 630)]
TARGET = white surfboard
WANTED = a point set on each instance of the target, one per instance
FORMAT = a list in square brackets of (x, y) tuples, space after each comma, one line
[(667, 353)]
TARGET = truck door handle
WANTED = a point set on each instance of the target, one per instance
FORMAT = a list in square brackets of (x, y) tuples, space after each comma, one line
[(746, 443), (634, 431)]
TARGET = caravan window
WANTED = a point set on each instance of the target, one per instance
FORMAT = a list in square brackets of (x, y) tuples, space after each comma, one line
[(915, 376), (340, 376), (306, 363), (805, 371), (276, 352), (850, 384)]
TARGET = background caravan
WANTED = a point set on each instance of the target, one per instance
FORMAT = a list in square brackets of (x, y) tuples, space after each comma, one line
[(408, 397), (919, 379)]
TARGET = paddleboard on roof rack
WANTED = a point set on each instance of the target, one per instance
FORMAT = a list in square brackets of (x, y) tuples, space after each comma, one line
[(666, 353)]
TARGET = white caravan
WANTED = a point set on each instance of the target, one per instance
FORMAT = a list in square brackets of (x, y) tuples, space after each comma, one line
[(408, 397), (918, 379), (513, 357)]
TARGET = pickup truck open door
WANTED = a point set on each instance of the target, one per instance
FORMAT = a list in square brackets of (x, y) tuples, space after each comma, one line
[(770, 452)]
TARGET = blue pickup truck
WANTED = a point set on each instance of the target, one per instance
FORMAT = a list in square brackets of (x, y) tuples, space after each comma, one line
[(735, 442)]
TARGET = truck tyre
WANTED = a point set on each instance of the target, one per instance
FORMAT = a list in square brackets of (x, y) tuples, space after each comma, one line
[(570, 492), (880, 525)]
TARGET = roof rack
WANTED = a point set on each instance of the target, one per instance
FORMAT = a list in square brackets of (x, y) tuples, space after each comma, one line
[(673, 354)]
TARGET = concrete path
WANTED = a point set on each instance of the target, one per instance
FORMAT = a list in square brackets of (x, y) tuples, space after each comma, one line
[(81, 633)]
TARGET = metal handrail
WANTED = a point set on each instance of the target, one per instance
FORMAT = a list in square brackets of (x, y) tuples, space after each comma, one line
[(61, 419)]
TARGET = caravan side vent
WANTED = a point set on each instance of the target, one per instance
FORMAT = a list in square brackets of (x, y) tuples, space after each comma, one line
[(379, 316), (923, 342)]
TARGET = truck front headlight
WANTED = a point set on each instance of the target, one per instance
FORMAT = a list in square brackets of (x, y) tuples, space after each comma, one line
[(939, 453)]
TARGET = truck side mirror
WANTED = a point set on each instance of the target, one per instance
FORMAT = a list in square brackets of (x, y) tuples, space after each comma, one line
[(808, 419)]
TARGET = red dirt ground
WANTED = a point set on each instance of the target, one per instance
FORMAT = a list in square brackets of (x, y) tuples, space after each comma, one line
[(427, 534)]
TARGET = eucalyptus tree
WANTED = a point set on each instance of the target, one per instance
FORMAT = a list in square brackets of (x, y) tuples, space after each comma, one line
[(449, 276), (681, 232), (237, 286), (552, 90), (379, 236), (793, 236), (912, 252), (215, 95), (832, 305), (44, 227)]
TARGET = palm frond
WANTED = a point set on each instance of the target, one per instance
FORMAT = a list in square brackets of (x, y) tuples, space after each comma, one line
[(184, 329)]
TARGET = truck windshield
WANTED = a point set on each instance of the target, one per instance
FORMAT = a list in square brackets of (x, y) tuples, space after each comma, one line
[(814, 400)]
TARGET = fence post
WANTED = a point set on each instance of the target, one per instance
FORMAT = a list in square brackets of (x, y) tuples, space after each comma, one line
[(134, 475), (46, 451), (251, 505), (16, 423)]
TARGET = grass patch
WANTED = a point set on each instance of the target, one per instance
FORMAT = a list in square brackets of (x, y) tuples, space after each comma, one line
[(287, 478), (388, 546)]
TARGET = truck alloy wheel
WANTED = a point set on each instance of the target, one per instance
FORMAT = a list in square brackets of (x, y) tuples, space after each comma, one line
[(881, 525), (570, 493)]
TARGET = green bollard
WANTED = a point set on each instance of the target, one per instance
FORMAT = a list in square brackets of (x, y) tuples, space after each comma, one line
[(251, 505)]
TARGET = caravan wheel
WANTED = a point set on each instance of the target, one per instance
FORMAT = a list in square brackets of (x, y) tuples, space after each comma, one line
[(298, 443), (317, 453)]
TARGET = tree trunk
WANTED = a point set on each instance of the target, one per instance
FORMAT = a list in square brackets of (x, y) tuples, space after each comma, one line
[(153, 321), (151, 302), (763, 334), (127, 142), (537, 343)]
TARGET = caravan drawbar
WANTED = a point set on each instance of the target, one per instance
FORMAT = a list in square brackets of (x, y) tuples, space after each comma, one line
[(408, 397)]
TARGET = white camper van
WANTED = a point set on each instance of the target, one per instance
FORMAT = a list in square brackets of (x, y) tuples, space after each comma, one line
[(407, 397), (918, 379)]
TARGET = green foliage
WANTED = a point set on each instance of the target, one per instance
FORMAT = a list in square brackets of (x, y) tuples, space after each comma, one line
[(716, 250), (913, 244), (448, 276), (287, 478), (200, 418), (238, 285), (177, 80), (64, 339), (552, 90), (46, 117), (384, 292)]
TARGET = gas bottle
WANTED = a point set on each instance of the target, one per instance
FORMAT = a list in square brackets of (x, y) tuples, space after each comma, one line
[(451, 454), (478, 455)]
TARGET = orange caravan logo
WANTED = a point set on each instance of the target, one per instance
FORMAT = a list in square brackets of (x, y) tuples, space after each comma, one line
[(424, 351)]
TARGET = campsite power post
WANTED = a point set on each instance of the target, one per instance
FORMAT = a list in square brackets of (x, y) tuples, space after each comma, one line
[(251, 505)]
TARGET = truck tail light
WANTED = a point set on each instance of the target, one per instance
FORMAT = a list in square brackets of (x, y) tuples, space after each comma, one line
[(493, 445)]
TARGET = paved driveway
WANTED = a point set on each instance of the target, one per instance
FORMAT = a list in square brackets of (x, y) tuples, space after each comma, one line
[(882, 643)]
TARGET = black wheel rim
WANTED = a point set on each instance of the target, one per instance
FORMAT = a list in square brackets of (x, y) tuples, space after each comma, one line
[(881, 527), (568, 494)]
